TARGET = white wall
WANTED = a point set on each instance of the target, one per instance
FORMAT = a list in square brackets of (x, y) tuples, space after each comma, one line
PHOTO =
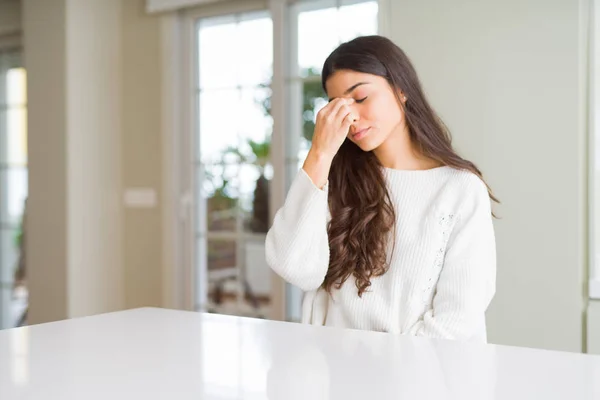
[(73, 58), (94, 129), (507, 79), (45, 60), (94, 111), (141, 153)]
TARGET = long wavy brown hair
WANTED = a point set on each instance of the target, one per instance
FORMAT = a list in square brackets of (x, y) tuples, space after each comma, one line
[(362, 214)]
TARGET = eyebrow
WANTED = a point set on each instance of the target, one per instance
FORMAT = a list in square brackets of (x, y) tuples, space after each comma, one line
[(351, 88)]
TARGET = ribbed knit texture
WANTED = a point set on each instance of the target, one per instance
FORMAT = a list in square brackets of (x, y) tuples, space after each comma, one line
[(442, 273)]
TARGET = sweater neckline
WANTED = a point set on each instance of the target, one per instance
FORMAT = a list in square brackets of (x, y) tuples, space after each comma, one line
[(416, 171)]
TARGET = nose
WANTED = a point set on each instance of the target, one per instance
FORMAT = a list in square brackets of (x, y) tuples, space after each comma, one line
[(355, 112)]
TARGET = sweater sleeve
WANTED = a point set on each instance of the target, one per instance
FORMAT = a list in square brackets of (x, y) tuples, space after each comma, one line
[(297, 246), (467, 281)]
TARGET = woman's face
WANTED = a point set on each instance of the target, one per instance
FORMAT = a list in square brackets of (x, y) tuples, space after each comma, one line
[(375, 103)]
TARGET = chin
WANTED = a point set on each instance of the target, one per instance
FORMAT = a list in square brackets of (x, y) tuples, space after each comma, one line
[(366, 145)]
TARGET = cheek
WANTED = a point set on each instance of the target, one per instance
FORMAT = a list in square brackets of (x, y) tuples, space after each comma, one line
[(383, 114)]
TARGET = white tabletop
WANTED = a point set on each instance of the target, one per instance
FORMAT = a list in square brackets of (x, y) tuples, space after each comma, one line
[(161, 354)]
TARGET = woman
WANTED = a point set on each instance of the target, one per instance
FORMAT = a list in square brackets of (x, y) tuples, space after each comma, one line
[(385, 227)]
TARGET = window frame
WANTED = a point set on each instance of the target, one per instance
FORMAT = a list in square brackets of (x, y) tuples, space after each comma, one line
[(179, 54), (9, 58), (201, 234), (191, 285), (593, 156)]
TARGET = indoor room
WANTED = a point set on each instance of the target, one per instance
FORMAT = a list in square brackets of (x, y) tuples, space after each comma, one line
[(152, 153)]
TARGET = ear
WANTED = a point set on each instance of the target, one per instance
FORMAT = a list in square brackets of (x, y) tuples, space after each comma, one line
[(402, 96)]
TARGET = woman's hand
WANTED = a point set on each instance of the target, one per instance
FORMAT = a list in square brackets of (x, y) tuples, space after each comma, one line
[(331, 129)]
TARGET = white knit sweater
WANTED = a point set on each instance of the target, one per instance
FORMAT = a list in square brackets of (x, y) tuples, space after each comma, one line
[(442, 273)]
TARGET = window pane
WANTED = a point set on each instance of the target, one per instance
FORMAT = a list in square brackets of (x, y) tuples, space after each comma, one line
[(217, 53), (254, 198), (255, 207), (220, 260), (317, 37), (219, 114), (15, 86), (313, 100), (224, 284), (357, 20), (231, 193), (16, 141), (10, 254), (7, 310), (217, 198), (221, 254), (14, 192), (255, 121), (257, 277), (255, 51), (234, 166)]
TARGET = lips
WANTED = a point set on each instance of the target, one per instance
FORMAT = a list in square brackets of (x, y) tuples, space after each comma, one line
[(360, 133)]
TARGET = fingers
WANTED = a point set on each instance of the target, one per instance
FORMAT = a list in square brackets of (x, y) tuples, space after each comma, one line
[(339, 104), (347, 122), (331, 109), (344, 111)]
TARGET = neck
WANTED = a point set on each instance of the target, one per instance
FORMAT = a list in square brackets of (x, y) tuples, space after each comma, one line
[(399, 152)]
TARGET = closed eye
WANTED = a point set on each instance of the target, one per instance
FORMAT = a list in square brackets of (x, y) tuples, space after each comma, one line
[(361, 100)]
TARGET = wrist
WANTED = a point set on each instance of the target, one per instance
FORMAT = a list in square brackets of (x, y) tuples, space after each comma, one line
[(317, 167), (318, 158)]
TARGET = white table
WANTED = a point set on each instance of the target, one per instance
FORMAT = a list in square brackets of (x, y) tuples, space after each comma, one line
[(161, 354)]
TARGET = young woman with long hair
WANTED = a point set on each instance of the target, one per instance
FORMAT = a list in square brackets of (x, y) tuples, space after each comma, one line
[(386, 227)]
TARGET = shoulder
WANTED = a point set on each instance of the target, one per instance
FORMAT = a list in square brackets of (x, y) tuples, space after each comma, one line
[(468, 183), (467, 189)]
